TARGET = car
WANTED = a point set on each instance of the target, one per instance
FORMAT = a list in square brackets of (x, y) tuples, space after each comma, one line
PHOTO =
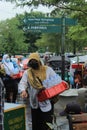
[(56, 63)]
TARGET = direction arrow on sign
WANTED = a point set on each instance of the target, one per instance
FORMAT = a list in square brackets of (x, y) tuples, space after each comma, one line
[(43, 29), (47, 25)]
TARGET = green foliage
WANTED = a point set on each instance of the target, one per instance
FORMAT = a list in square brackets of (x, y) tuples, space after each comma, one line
[(71, 8), (78, 34), (12, 39), (50, 41), (30, 37)]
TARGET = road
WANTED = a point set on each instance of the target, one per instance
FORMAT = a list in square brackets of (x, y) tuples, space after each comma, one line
[(61, 121)]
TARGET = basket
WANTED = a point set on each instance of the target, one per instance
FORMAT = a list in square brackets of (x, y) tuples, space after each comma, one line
[(19, 75), (53, 91)]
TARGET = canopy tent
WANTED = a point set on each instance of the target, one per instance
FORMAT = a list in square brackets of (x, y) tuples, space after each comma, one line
[(81, 59)]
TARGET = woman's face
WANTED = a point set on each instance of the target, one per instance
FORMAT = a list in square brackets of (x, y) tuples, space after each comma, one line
[(33, 64), (7, 59)]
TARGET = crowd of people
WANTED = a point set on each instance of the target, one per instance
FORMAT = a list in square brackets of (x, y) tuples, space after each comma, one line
[(78, 75), (36, 78), (8, 69)]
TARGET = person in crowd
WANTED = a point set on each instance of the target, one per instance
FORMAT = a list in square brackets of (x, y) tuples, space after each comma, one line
[(1, 105), (85, 75), (78, 78), (20, 63), (2, 70), (10, 83), (14, 61), (37, 78), (71, 108)]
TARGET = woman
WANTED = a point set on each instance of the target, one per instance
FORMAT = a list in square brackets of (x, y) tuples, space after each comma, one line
[(11, 84), (35, 79)]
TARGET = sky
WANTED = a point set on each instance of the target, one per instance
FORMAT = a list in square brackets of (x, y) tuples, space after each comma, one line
[(8, 10)]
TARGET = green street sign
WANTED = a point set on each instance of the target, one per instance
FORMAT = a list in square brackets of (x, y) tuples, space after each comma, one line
[(42, 21), (70, 21), (43, 29), (47, 25)]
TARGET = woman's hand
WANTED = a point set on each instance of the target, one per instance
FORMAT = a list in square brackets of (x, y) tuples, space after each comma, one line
[(66, 84), (24, 94)]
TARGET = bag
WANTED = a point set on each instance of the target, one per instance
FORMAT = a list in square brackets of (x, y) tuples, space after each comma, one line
[(54, 99)]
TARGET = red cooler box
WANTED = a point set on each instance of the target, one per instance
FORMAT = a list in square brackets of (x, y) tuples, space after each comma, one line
[(53, 91), (19, 75)]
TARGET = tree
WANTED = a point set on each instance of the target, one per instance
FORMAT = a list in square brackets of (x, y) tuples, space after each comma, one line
[(50, 41), (30, 37), (71, 8), (11, 38)]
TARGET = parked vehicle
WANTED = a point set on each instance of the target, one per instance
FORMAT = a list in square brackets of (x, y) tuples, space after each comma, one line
[(56, 63)]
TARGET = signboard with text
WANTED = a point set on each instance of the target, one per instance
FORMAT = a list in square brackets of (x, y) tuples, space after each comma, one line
[(14, 118), (46, 25), (42, 21), (43, 29)]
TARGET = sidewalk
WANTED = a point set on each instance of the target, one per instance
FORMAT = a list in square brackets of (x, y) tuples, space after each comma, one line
[(61, 122), (71, 95)]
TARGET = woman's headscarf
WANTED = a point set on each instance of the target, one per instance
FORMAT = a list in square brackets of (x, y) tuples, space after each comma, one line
[(34, 56), (9, 67), (36, 76), (4, 58)]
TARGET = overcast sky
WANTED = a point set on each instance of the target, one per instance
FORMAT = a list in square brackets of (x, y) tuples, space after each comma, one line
[(8, 10)]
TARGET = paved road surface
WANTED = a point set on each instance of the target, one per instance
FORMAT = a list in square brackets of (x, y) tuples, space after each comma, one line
[(71, 95), (61, 122)]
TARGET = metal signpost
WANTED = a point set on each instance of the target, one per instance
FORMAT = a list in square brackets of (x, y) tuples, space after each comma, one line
[(65, 22), (50, 25)]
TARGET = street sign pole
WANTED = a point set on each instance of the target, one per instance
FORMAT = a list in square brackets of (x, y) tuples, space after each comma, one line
[(65, 22), (63, 45)]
